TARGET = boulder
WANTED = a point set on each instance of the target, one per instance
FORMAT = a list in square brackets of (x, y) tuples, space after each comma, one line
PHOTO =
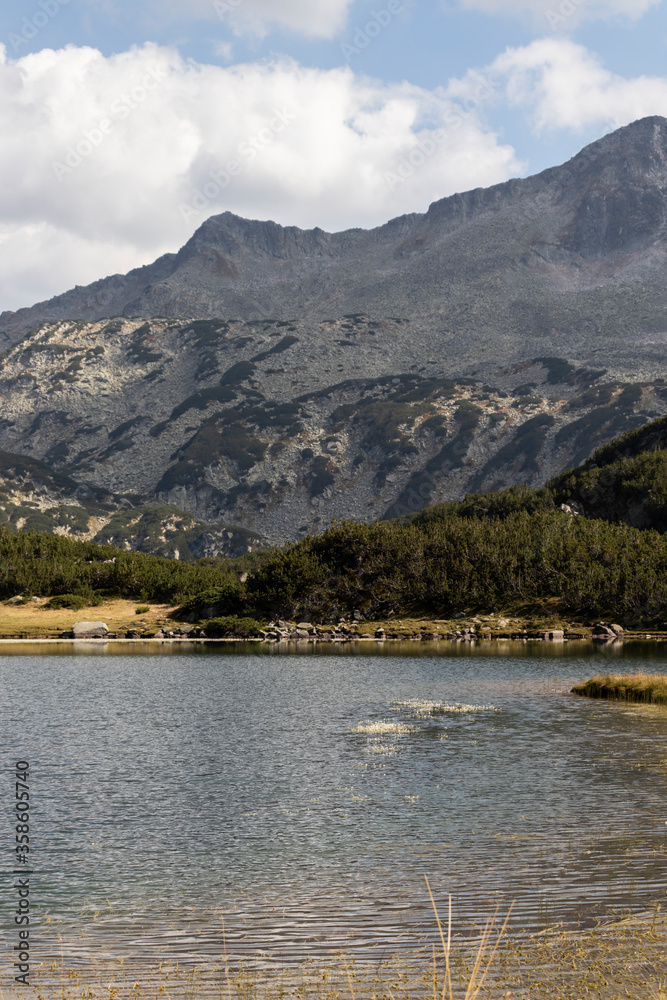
[(16, 600), (90, 630), (602, 632), (616, 629), (132, 634), (555, 635)]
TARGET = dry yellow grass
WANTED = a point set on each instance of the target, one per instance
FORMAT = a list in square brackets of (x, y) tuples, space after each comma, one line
[(649, 689), (624, 960), (620, 959), (34, 620)]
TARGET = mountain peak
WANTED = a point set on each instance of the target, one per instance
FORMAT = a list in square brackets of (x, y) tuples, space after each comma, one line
[(598, 220)]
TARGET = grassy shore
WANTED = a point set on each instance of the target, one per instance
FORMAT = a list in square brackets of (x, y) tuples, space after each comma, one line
[(34, 619), (650, 689), (621, 959)]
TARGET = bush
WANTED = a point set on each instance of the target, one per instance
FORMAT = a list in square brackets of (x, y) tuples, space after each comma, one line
[(445, 566), (142, 610), (74, 601), (232, 627), (226, 599), (52, 565)]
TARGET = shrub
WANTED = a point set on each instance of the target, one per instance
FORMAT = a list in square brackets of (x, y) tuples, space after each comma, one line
[(142, 610), (74, 601), (233, 627), (225, 599), (52, 565)]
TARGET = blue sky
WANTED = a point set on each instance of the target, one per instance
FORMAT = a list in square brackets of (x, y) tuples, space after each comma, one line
[(126, 124)]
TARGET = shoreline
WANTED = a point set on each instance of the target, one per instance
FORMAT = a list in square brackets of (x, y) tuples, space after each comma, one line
[(119, 619), (616, 643), (622, 955)]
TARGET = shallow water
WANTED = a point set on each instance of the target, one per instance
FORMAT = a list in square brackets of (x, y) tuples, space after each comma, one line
[(305, 796)]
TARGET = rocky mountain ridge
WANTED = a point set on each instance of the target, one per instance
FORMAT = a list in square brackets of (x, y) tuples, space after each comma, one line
[(567, 262)]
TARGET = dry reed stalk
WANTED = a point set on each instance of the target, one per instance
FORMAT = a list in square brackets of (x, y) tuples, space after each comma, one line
[(481, 960)]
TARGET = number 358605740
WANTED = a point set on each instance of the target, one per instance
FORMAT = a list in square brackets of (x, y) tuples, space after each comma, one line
[(22, 807)]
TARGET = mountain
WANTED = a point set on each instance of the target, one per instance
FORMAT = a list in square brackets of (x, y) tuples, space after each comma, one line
[(259, 426), (623, 482), (265, 380), (569, 262), (35, 498)]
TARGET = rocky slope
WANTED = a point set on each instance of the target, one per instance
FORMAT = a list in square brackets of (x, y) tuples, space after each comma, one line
[(499, 338), (34, 498), (260, 426)]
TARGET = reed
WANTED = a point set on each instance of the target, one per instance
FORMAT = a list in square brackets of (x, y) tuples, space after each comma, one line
[(649, 689)]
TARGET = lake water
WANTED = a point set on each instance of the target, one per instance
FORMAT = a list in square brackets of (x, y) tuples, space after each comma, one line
[(305, 796)]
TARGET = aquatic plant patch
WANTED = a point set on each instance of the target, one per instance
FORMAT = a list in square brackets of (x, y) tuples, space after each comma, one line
[(649, 689)]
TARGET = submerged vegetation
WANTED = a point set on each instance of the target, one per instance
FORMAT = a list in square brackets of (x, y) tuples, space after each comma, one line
[(648, 689)]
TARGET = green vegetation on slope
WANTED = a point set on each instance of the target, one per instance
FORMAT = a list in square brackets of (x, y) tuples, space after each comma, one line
[(623, 482), (443, 567), (49, 565), (502, 550), (460, 564)]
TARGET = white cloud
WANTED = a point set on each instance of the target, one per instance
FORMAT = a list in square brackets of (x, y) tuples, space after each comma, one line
[(321, 18), (108, 162), (563, 14), (225, 50), (564, 86), (316, 18)]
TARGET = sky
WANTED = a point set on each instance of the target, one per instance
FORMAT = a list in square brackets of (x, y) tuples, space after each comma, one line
[(126, 123)]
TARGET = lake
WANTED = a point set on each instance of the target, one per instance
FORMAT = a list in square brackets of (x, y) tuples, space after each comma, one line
[(304, 796)]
